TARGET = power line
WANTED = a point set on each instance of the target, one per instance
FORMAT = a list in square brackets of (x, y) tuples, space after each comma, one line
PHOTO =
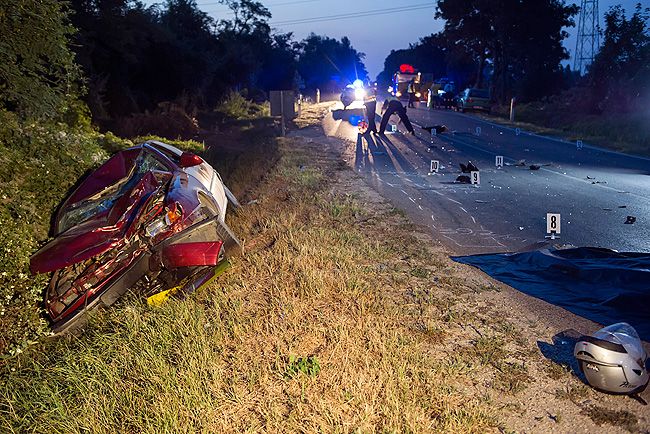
[(352, 15), (295, 2)]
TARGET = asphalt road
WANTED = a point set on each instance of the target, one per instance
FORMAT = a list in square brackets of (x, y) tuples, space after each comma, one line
[(593, 190)]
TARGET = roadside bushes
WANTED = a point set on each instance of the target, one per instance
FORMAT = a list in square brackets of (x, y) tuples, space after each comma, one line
[(236, 106), (40, 161)]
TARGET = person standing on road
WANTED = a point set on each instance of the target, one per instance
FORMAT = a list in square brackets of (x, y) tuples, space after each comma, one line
[(390, 106), (370, 102), (411, 91)]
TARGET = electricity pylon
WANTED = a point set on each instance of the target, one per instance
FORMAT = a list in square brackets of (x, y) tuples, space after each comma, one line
[(588, 41)]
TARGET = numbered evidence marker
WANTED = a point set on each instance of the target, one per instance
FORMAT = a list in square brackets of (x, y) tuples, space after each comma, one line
[(475, 177), (393, 128), (478, 131), (578, 144), (499, 161), (552, 224), (435, 166)]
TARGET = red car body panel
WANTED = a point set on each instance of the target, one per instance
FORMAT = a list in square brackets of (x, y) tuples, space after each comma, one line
[(116, 168), (191, 254), (95, 236)]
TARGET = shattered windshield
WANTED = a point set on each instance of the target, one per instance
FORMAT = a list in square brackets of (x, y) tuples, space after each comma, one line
[(104, 200)]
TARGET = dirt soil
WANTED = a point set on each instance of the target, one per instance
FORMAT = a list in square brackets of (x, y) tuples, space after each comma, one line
[(553, 397)]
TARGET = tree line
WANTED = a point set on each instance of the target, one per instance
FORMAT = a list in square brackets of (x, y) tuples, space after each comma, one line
[(121, 57)]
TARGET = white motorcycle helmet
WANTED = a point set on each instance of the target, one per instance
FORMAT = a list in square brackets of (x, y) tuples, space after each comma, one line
[(613, 359)]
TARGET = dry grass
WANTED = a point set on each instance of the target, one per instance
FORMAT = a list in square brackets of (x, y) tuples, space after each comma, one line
[(601, 415)]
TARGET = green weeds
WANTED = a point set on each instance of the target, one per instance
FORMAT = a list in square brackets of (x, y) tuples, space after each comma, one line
[(308, 366)]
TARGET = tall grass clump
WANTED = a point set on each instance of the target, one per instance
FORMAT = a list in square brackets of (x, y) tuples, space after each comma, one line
[(236, 106)]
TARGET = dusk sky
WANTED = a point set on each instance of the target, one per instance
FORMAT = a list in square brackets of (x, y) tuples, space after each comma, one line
[(374, 26)]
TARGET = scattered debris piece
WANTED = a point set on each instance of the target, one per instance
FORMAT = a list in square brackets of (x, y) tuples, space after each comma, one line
[(439, 128), (534, 167), (589, 177), (252, 202), (599, 182), (480, 201), (520, 163), (464, 179), (521, 228), (622, 206), (607, 209), (470, 167), (630, 220)]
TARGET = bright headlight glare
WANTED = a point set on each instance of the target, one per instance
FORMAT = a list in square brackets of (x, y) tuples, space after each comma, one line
[(359, 93)]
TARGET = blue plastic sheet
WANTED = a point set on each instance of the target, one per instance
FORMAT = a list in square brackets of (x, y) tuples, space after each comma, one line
[(602, 285)]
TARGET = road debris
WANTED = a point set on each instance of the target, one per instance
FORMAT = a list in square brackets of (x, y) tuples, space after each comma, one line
[(630, 220), (464, 179), (534, 167), (438, 128), (470, 167)]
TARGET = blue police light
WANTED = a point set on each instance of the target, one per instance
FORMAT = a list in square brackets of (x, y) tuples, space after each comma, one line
[(354, 120)]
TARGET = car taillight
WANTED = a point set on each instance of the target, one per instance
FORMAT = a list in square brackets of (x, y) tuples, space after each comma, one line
[(169, 217)]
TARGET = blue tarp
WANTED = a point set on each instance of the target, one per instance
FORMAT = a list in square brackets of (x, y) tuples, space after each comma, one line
[(602, 285)]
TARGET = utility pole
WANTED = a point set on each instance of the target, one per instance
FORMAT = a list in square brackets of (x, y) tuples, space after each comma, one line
[(588, 41)]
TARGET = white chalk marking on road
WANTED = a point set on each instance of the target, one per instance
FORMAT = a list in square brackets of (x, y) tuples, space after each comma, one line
[(473, 219), (392, 185), (404, 192), (411, 199), (463, 210), (454, 201), (433, 218), (420, 206)]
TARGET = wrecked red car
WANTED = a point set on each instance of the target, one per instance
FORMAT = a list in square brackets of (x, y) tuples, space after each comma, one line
[(151, 215)]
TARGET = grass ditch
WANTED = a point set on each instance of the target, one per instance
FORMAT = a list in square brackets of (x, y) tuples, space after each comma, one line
[(627, 133), (335, 320)]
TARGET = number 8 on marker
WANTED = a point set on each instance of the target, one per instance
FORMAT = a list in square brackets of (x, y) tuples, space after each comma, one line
[(552, 223)]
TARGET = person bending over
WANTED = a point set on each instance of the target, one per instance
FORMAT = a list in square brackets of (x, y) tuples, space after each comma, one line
[(390, 106)]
